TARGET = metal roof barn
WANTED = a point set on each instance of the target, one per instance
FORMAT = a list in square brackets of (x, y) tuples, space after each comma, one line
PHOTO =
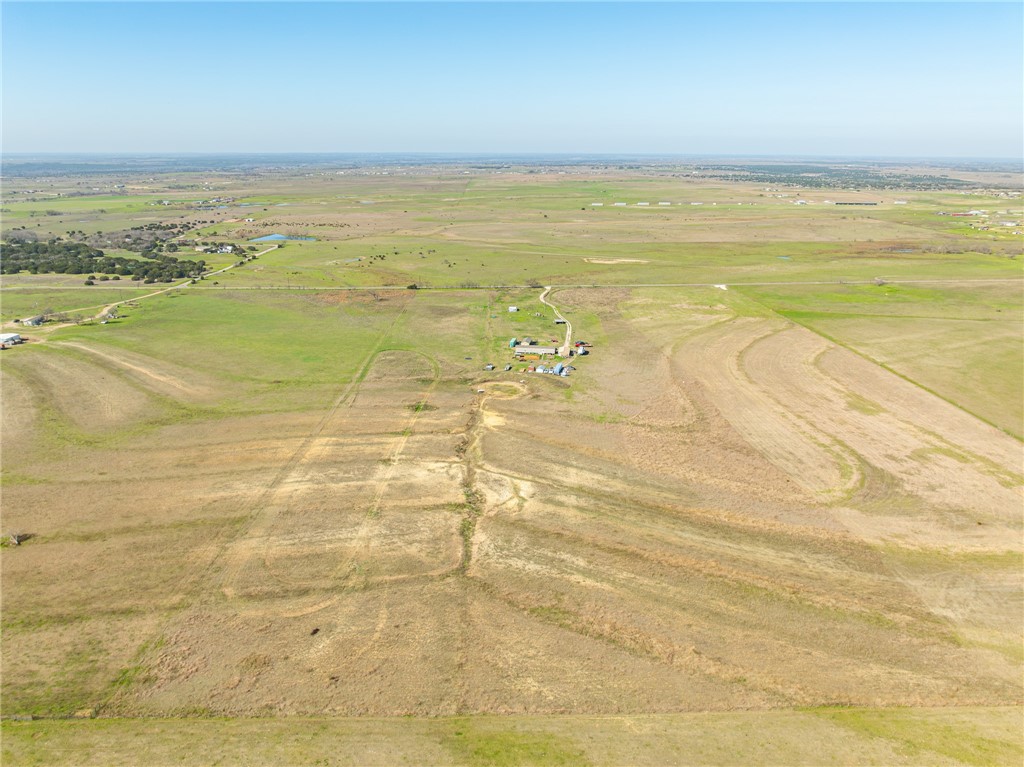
[(535, 350)]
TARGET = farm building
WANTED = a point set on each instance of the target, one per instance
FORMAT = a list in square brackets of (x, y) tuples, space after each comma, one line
[(33, 321), (513, 308), (9, 339), (512, 343), (521, 350)]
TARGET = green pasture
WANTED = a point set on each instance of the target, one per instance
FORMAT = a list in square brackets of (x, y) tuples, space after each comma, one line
[(246, 337), (107, 204), (452, 325), (18, 304), (460, 263), (91, 214), (964, 300), (503, 230), (277, 351), (831, 736)]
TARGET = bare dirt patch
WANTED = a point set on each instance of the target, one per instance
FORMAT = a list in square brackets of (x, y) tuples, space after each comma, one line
[(616, 261), (163, 377)]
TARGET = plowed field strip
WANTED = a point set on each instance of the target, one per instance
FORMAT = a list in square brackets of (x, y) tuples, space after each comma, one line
[(922, 387), (857, 416), (828, 587), (791, 443), (915, 404)]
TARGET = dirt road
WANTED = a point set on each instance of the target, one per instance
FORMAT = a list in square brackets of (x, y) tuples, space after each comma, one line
[(106, 309), (564, 351), (184, 284)]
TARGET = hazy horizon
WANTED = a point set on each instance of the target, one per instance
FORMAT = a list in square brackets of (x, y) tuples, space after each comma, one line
[(502, 154), (837, 80)]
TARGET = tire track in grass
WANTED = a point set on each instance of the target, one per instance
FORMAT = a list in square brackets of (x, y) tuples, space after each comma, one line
[(263, 516), (363, 536), (259, 520)]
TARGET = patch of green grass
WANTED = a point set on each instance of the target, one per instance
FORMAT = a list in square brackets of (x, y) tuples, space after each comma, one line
[(863, 404), (421, 407), (941, 301), (473, 743), (924, 738), (73, 687), (250, 338), (11, 478), (781, 737), (942, 560)]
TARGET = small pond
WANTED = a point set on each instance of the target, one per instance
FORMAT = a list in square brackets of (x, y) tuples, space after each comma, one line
[(272, 237)]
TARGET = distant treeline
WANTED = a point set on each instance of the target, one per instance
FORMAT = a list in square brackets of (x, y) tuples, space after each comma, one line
[(58, 257), (831, 177)]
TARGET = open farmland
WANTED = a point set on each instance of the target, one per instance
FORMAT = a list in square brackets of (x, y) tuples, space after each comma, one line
[(780, 500)]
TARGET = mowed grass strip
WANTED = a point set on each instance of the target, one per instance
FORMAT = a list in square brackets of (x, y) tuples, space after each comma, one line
[(967, 736)]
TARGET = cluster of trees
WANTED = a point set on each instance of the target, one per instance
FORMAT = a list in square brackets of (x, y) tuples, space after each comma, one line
[(139, 239), (61, 257)]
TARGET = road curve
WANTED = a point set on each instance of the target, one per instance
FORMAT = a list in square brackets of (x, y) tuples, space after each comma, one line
[(564, 351)]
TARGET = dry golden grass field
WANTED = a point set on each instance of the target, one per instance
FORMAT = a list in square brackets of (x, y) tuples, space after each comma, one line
[(285, 516)]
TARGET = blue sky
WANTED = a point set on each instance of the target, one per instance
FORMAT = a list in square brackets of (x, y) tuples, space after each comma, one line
[(868, 79)]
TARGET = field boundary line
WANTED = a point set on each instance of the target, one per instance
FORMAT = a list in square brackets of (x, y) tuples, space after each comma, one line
[(873, 361), (583, 286)]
